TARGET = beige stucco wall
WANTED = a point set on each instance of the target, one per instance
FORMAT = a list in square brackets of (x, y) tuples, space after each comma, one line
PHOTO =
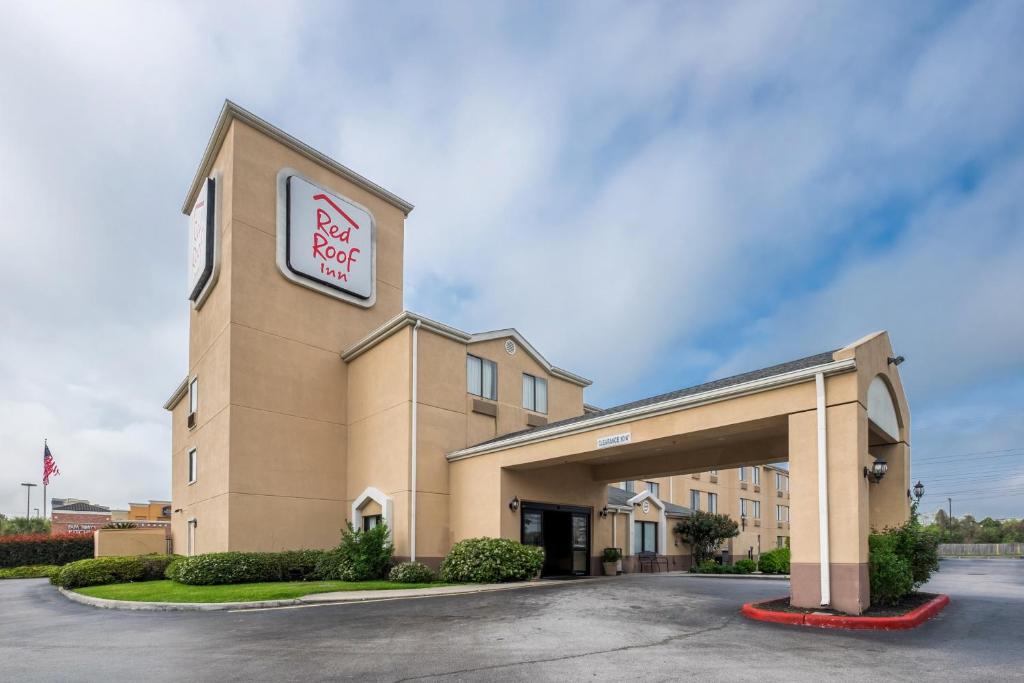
[(124, 542)]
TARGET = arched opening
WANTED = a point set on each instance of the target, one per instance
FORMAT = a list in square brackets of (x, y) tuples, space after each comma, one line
[(371, 507)]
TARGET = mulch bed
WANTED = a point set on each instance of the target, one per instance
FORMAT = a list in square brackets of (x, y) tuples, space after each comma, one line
[(906, 605)]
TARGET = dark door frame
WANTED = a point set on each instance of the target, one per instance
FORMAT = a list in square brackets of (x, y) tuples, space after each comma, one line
[(555, 507)]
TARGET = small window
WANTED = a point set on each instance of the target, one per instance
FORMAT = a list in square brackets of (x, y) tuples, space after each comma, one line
[(781, 513), (193, 395), (192, 466), (371, 521), (757, 509), (695, 500), (630, 486), (745, 507), (655, 488), (481, 377), (645, 537), (714, 473), (713, 502), (780, 541), (743, 474), (535, 393), (757, 476), (781, 481)]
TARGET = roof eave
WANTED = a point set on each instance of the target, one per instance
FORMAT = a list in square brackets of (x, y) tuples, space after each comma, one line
[(670, 405), (232, 112), (178, 394)]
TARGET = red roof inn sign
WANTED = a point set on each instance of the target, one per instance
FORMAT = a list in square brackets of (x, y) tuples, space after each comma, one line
[(325, 242)]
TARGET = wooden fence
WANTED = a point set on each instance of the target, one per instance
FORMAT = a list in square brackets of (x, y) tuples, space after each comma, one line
[(981, 549)]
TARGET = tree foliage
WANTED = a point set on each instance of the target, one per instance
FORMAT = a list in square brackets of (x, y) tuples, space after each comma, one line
[(967, 529), (705, 532), (16, 526)]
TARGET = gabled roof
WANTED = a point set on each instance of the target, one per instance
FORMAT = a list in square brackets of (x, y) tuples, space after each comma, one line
[(231, 112), (747, 382), (80, 507), (621, 498), (408, 318)]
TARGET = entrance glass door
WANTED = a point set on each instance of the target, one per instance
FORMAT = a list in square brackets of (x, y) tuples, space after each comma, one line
[(563, 531), (580, 542)]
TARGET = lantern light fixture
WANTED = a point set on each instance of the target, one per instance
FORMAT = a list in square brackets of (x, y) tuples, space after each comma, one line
[(513, 504), (877, 471), (919, 491)]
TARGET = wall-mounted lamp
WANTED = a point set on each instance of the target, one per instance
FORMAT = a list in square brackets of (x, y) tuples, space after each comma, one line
[(603, 512), (896, 360), (877, 471), (919, 491), (513, 504)]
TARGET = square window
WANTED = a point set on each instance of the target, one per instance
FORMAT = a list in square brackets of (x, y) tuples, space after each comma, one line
[(481, 377), (535, 393)]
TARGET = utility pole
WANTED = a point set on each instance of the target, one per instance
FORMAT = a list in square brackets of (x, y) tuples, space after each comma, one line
[(28, 498), (950, 508)]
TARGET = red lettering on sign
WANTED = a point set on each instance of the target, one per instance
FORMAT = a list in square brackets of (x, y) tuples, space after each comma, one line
[(328, 238)]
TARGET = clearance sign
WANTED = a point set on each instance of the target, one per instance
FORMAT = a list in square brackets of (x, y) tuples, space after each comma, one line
[(329, 239)]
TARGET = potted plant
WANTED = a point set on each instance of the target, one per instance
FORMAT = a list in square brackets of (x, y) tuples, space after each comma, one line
[(610, 560)]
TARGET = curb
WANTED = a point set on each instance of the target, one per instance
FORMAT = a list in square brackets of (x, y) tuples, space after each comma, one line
[(910, 620), (171, 606), (758, 577), (310, 600)]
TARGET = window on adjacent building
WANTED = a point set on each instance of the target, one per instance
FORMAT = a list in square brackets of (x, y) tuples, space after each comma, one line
[(743, 474), (780, 541), (481, 377), (781, 481), (757, 475), (645, 537), (192, 465), (750, 508), (782, 513), (695, 500), (714, 473), (757, 509), (713, 502), (655, 488), (535, 393), (630, 486), (193, 395), (370, 521)]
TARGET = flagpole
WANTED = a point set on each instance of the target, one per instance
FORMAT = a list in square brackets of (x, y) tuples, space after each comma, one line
[(44, 483)]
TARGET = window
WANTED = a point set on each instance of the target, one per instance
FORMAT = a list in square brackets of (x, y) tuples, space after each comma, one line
[(193, 395), (743, 507), (757, 509), (750, 508), (712, 502), (714, 473), (781, 513), (781, 481), (535, 393), (370, 521), (780, 541), (743, 474), (757, 475), (695, 500), (192, 466), (645, 537), (481, 377), (655, 488), (630, 486)]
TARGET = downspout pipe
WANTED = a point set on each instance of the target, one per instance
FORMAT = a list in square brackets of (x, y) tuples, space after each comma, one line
[(823, 545), (412, 445)]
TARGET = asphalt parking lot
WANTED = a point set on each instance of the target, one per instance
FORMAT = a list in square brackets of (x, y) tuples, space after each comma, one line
[(650, 627)]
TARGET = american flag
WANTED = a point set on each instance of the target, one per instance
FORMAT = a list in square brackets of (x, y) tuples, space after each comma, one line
[(49, 465)]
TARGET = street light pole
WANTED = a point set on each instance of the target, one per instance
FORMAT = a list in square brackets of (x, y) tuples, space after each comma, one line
[(28, 498), (950, 508)]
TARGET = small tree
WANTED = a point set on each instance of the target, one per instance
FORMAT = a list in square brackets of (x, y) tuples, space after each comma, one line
[(16, 526), (705, 531)]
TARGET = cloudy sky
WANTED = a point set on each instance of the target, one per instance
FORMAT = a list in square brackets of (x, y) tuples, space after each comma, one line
[(654, 194)]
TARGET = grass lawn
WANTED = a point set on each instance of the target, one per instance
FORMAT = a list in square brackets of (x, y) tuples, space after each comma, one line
[(169, 591)]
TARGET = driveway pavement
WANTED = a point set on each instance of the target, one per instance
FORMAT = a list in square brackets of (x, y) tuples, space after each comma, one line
[(651, 627)]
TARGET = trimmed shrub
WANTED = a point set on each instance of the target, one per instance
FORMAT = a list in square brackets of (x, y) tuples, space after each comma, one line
[(171, 570), (231, 567), (36, 549), (491, 560), (712, 567), (891, 576), (33, 571), (361, 556), (120, 525), (99, 571), (745, 566), (299, 565), (411, 572), (919, 547), (155, 566), (774, 561)]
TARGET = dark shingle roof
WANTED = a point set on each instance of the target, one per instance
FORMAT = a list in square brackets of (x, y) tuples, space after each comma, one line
[(771, 371), (81, 507), (617, 496)]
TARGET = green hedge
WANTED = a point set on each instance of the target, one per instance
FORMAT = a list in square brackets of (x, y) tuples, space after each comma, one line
[(411, 572), (900, 560), (745, 566), (104, 570), (361, 555), (491, 560), (32, 571), (237, 567), (774, 561), (37, 549)]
